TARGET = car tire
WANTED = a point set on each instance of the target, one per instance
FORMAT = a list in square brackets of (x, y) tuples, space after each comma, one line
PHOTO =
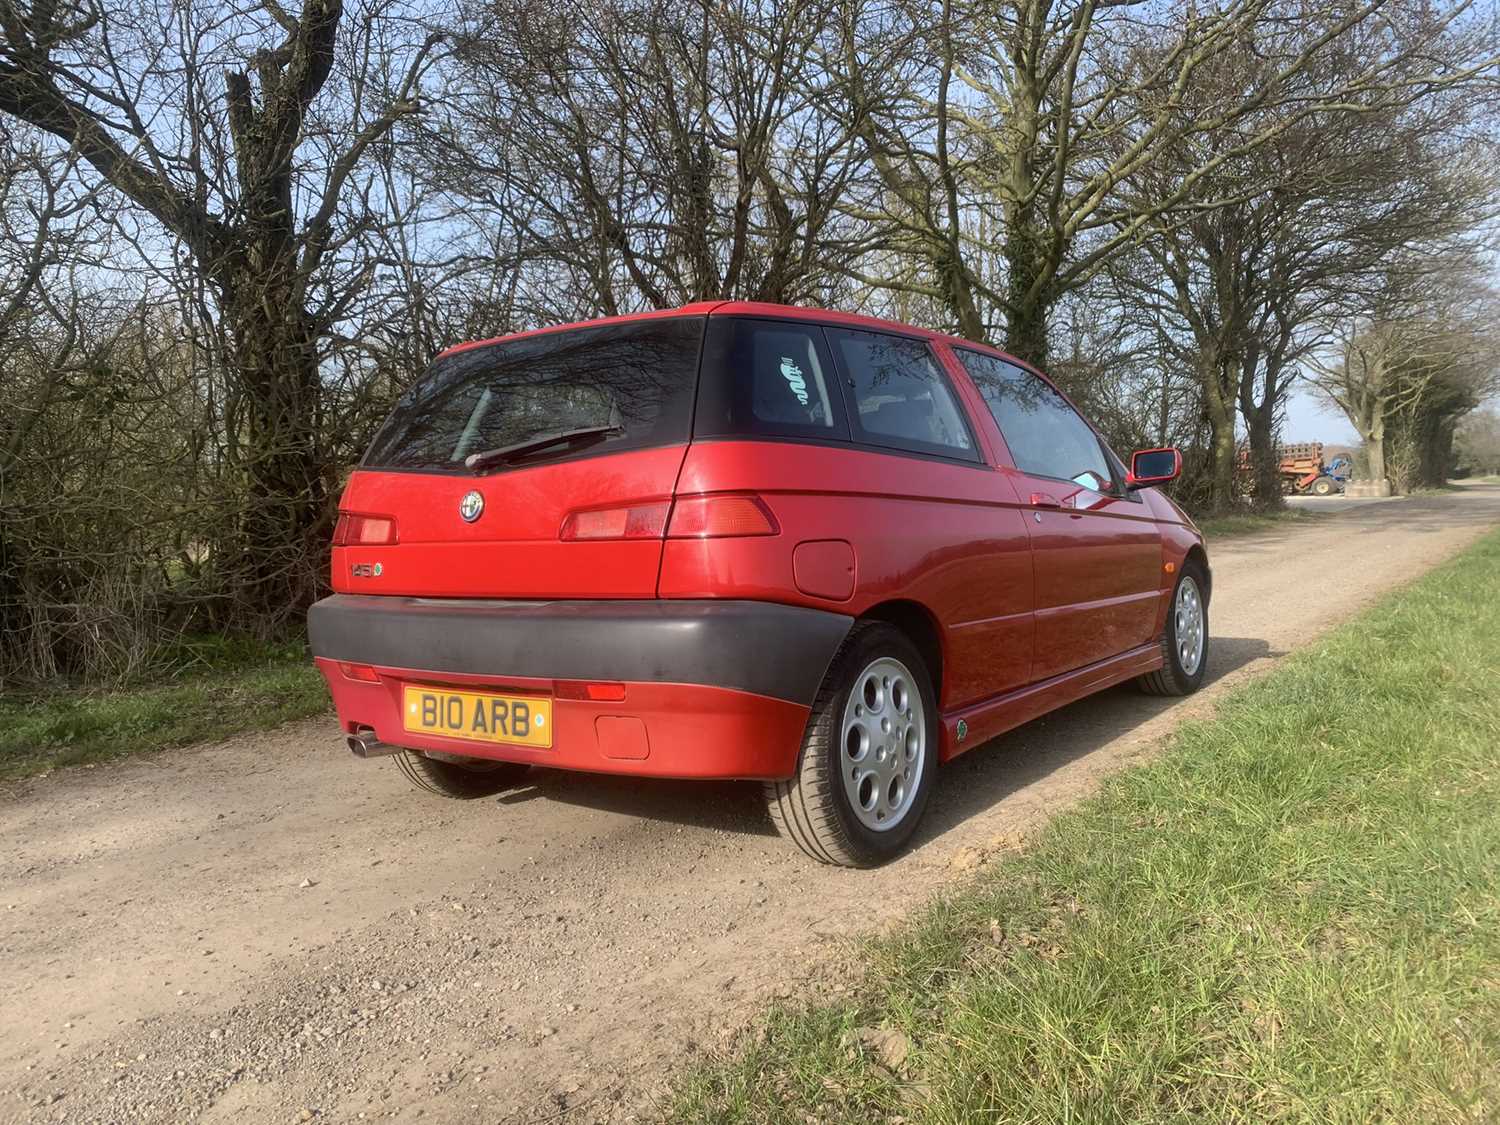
[(1180, 673), (1324, 486), (868, 756), (463, 779)]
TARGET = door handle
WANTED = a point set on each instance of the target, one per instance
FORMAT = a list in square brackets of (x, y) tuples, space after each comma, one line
[(1043, 500)]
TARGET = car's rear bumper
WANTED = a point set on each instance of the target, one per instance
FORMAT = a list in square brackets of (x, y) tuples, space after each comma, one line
[(712, 688)]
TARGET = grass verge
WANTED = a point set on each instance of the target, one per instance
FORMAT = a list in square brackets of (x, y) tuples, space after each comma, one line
[(221, 693), (1292, 915), (1246, 523)]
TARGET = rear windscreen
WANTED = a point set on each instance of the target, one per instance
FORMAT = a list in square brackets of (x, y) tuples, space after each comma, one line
[(634, 379)]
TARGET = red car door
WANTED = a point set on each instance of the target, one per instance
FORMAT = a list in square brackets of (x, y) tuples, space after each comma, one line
[(887, 474), (1096, 549)]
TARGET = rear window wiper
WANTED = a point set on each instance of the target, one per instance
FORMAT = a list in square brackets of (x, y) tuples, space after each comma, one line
[(537, 444)]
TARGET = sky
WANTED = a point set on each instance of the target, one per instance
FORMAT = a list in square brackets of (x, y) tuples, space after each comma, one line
[(1310, 418)]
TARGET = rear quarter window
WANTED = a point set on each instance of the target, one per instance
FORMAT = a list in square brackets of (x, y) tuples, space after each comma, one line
[(768, 378), (636, 377)]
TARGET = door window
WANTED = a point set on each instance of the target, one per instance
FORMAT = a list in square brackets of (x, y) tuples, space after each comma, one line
[(899, 397), (1045, 435)]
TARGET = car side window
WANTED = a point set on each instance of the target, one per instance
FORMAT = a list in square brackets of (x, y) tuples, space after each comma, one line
[(898, 396), (1045, 435), (767, 377)]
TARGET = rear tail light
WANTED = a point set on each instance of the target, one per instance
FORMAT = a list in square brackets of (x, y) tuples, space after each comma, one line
[(357, 530), (641, 521), (362, 672), (692, 517), (591, 692), (720, 517)]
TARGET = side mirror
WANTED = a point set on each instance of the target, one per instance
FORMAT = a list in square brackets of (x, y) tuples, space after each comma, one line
[(1153, 466)]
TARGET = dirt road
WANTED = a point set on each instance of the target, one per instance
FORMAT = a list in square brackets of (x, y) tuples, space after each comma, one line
[(267, 929)]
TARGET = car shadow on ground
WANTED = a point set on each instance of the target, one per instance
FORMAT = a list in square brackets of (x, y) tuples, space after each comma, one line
[(968, 786), (989, 773)]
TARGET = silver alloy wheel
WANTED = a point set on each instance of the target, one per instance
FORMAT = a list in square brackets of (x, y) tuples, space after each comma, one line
[(884, 743), (1188, 625)]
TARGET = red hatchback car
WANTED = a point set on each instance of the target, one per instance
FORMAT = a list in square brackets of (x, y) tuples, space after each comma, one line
[(739, 540)]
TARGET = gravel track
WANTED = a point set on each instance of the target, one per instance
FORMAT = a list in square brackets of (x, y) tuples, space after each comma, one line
[(269, 930)]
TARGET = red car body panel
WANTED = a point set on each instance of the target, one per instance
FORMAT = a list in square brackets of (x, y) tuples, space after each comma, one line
[(949, 538), (1037, 591), (698, 308), (685, 730), (438, 555)]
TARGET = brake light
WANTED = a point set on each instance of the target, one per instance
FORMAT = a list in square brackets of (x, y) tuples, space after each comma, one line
[(357, 530), (641, 521), (720, 517)]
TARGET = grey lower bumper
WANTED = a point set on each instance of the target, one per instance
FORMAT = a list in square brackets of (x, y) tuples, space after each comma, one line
[(774, 650)]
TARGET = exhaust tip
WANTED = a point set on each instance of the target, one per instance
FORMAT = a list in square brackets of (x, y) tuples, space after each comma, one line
[(366, 745)]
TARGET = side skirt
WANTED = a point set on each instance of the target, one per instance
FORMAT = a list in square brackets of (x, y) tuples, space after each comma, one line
[(983, 721)]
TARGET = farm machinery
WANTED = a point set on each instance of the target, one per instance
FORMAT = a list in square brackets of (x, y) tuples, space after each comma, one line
[(1302, 470)]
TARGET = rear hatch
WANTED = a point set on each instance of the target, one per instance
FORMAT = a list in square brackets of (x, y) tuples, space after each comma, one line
[(538, 466)]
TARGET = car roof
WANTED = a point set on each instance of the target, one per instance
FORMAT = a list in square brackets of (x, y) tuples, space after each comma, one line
[(754, 308)]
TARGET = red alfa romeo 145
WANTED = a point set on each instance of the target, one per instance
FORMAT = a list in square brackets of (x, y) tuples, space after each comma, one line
[(745, 541)]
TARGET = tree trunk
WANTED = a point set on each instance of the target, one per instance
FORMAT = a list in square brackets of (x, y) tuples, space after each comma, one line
[(1221, 494), (262, 279), (1375, 451), (1260, 423), (1027, 242), (277, 555), (1265, 460), (1219, 411), (1030, 306), (1222, 450), (960, 294)]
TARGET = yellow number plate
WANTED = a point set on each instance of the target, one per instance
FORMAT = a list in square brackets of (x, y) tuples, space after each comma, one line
[(520, 721)]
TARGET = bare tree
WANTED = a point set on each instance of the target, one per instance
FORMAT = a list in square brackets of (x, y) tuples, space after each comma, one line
[(47, 232), (1012, 131), (657, 154), (252, 180), (1428, 355), (232, 232), (1243, 276), (39, 233)]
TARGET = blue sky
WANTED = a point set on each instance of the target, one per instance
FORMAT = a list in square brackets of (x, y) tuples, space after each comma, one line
[(1312, 418)]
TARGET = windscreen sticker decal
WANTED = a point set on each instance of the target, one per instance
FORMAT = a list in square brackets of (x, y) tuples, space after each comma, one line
[(794, 377)]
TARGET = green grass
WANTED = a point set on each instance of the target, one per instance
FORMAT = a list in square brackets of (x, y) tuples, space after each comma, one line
[(1292, 915), (225, 688), (1247, 523)]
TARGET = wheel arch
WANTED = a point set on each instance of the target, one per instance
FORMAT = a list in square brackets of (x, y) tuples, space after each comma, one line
[(1196, 554), (920, 626)]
